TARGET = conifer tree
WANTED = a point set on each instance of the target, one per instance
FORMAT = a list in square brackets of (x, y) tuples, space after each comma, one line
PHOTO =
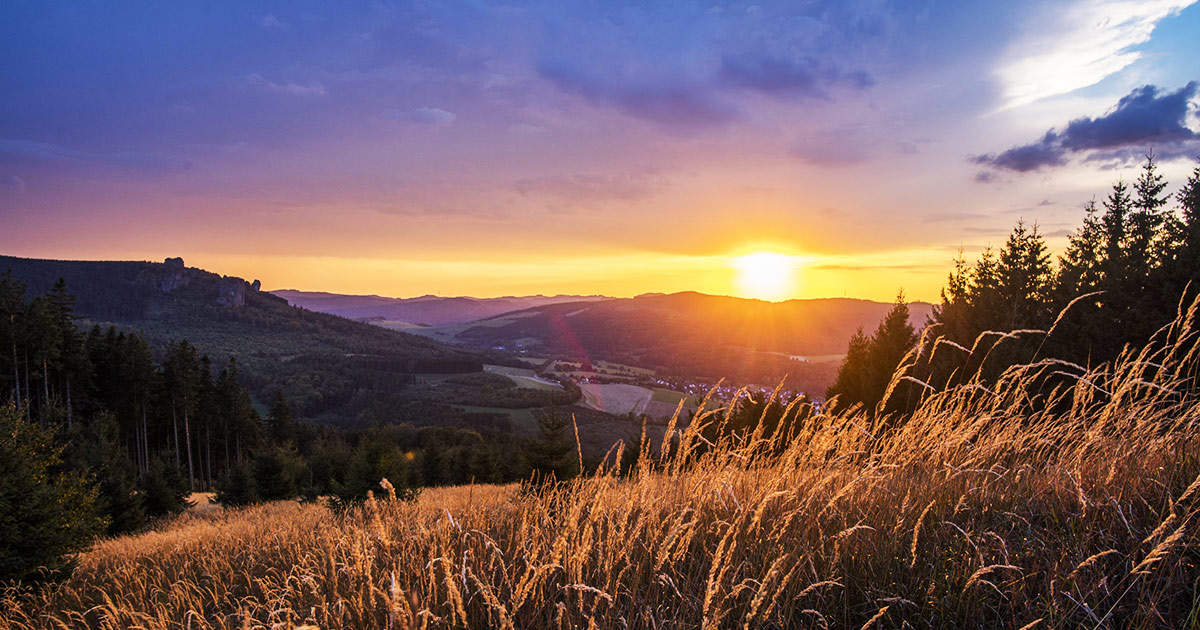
[(237, 487), (552, 455), (164, 487), (46, 514)]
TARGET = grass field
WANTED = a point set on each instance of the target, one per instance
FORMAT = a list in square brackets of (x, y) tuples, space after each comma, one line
[(524, 377), (985, 509), (523, 418)]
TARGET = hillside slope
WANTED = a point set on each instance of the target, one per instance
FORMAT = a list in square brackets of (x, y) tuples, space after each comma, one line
[(690, 333), (429, 310), (331, 368)]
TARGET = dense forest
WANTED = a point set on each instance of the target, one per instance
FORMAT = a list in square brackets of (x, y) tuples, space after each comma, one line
[(1126, 272)]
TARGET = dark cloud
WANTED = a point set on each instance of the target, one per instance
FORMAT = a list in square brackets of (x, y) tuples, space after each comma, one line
[(1142, 120), (632, 185), (808, 77), (986, 177), (673, 103)]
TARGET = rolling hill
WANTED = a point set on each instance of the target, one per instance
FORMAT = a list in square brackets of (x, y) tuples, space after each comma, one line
[(332, 369), (427, 310), (690, 334)]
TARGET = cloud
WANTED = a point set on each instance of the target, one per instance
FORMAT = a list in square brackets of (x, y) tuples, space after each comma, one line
[(631, 185), (312, 89), (684, 65), (808, 77), (134, 160), (986, 177), (270, 21), (431, 116), (1144, 119), (670, 102), (12, 183), (1068, 47)]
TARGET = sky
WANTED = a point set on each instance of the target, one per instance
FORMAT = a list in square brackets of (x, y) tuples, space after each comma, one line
[(773, 150)]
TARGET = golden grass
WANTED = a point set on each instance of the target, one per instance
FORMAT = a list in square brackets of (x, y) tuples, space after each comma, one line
[(989, 508)]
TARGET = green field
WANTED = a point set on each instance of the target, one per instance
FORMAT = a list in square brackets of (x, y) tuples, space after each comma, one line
[(522, 418), (669, 396), (523, 378)]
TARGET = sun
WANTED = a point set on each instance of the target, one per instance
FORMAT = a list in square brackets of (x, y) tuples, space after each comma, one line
[(766, 275)]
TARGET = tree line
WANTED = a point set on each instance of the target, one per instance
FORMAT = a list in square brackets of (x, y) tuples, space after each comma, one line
[(1121, 278)]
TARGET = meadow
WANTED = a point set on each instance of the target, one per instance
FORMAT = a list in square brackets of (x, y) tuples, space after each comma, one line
[(1057, 497)]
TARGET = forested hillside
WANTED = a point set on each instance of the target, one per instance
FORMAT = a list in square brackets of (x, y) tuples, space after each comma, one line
[(332, 369)]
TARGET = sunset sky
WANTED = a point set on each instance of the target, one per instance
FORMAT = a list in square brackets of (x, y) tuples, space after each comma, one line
[(484, 148)]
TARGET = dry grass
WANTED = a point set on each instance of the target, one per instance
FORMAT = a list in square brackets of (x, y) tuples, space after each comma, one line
[(984, 510)]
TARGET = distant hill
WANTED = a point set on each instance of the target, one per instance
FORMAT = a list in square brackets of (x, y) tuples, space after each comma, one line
[(690, 334), (331, 368), (427, 310)]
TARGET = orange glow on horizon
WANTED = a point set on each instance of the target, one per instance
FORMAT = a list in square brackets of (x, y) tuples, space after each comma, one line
[(766, 275), (758, 274)]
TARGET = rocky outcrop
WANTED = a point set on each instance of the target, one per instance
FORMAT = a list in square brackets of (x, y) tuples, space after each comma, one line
[(256, 286), (231, 292), (174, 275)]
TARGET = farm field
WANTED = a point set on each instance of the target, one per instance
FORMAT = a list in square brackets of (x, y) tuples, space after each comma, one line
[(616, 398), (524, 377), (622, 398)]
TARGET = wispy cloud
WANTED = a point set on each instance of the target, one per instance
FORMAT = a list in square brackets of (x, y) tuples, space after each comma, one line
[(1144, 119), (12, 183), (135, 160), (432, 116), (270, 21), (312, 89), (1073, 46)]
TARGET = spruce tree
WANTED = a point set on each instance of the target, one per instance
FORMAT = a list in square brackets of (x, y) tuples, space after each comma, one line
[(552, 454), (275, 473), (164, 487), (45, 514), (238, 487)]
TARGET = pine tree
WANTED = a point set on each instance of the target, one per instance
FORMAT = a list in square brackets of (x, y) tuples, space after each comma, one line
[(551, 455), (1024, 279), (280, 423), (164, 488), (45, 514), (95, 448), (275, 473), (852, 384), (1188, 261), (1079, 267), (238, 487), (12, 321)]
